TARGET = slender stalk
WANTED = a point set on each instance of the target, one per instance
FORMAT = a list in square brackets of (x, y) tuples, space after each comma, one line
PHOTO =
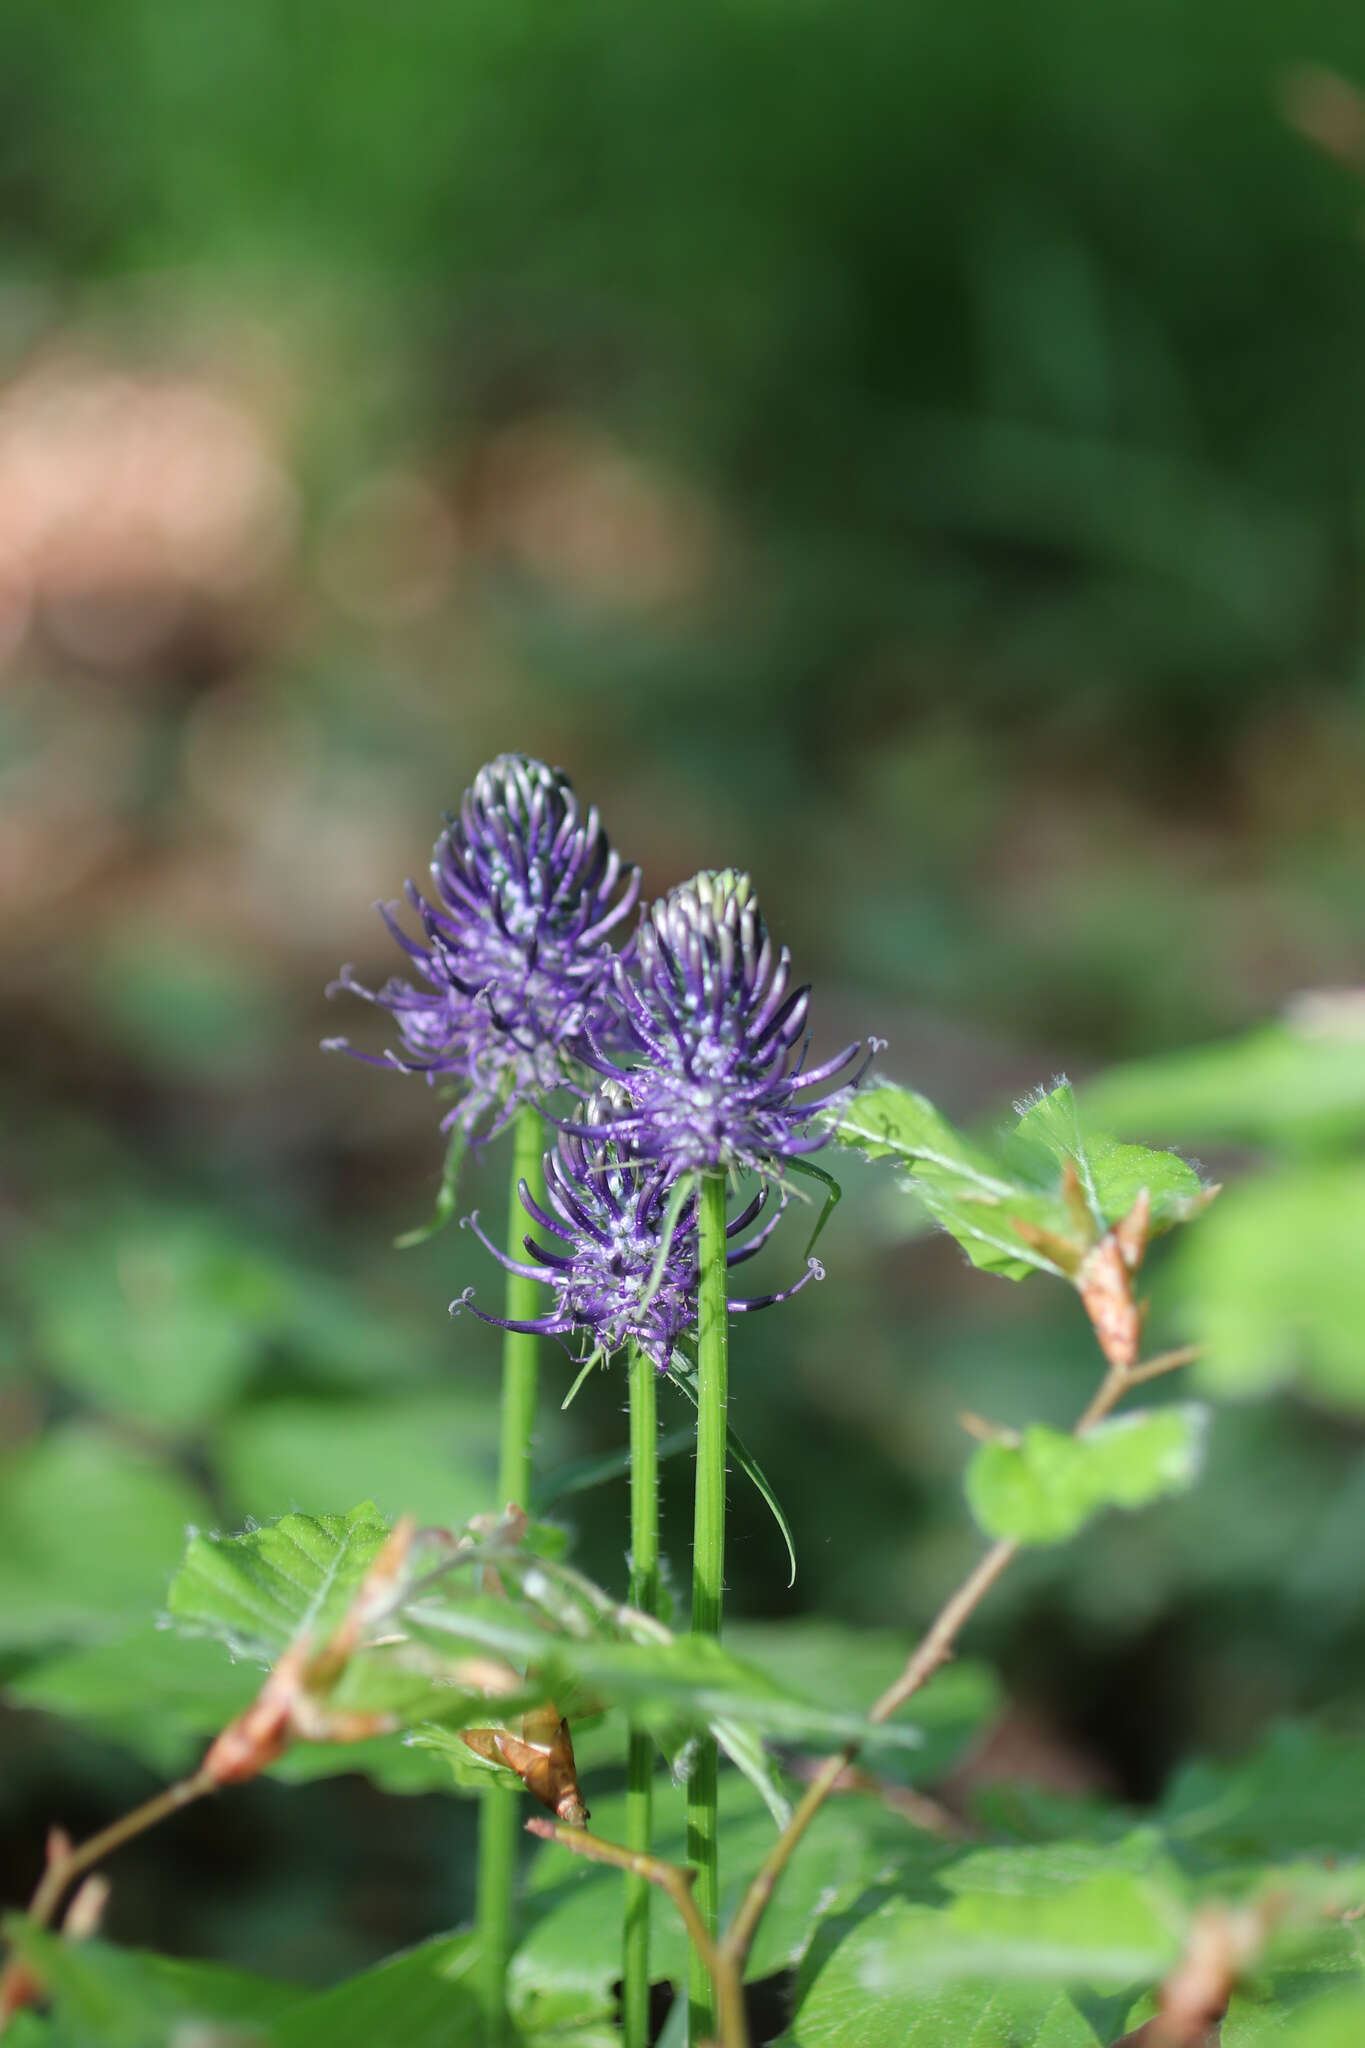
[(644, 1594), (500, 1812), (63, 1869), (708, 1571)]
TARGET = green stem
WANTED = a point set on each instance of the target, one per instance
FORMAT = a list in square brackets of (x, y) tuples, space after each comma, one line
[(500, 1812), (708, 1570), (644, 1594)]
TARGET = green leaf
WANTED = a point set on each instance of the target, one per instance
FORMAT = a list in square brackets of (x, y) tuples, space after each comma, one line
[(447, 1195), (746, 1752), (992, 1972), (1047, 1486), (90, 1531), (1277, 1085), (257, 1591), (1050, 1134), (1300, 1792), (426, 1998), (1329, 2016), (980, 1199), (107, 1997), (155, 1692), (1273, 1286), (163, 1696), (887, 1122), (687, 1677), (161, 1316), (806, 1169)]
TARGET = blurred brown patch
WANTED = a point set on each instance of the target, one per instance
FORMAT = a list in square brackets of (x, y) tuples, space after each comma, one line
[(578, 513), (130, 502)]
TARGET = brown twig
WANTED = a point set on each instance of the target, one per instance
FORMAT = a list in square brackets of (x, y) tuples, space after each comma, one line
[(933, 1650), (65, 1864), (676, 1881)]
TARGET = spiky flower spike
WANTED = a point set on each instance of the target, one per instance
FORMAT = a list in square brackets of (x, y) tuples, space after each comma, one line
[(704, 1000), (623, 1265), (516, 954)]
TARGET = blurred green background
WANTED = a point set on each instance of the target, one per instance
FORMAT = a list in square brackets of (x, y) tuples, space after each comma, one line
[(915, 453)]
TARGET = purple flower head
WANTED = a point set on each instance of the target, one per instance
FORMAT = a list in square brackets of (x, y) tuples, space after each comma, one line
[(514, 962), (704, 1001), (621, 1255)]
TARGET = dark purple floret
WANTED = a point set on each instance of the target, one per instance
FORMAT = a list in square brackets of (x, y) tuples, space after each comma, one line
[(514, 962), (721, 1039), (606, 1218)]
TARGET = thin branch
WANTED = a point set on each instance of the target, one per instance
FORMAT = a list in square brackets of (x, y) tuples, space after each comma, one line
[(934, 1649), (65, 1868), (676, 1880), (1165, 1361)]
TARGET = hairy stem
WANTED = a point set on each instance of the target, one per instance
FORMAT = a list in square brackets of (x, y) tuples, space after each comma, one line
[(644, 1594), (933, 1649), (499, 1817), (708, 1570)]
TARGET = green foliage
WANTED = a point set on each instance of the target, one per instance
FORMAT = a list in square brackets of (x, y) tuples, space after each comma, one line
[(258, 1592), (1046, 1487), (432, 1454), (572, 1943), (998, 1971), (1334, 2019), (1275, 1285), (1275, 1086), (107, 1997), (982, 1197), (90, 1530)]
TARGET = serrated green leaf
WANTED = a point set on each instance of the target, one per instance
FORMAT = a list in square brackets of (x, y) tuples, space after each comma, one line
[(1327, 2016), (980, 1199), (90, 1532), (106, 1997), (1045, 1488), (257, 1591), (1050, 1134), (687, 1677), (887, 1122)]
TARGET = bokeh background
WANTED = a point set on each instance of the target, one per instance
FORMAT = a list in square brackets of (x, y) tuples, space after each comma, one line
[(914, 453)]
